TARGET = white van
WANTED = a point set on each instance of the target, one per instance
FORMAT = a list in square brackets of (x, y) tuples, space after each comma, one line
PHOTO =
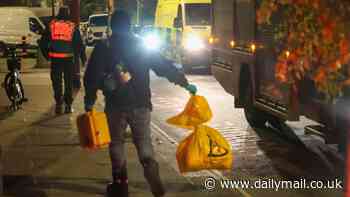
[(97, 28), (18, 24)]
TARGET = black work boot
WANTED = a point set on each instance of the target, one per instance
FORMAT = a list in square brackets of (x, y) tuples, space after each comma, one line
[(58, 109), (117, 189), (119, 186), (68, 109)]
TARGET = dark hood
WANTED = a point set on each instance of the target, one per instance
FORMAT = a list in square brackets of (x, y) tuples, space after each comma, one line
[(120, 22)]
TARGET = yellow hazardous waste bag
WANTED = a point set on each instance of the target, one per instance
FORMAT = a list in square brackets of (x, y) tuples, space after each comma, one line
[(93, 130), (205, 148), (196, 112)]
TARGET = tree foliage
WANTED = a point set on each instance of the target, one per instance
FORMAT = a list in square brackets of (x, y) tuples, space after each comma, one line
[(316, 33)]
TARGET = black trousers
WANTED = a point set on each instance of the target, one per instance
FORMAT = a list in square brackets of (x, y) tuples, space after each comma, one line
[(62, 69)]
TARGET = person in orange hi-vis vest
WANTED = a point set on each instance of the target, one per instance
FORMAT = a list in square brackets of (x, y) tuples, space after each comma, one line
[(62, 44)]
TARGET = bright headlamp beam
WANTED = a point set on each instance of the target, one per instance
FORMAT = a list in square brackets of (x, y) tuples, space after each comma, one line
[(151, 41), (194, 43)]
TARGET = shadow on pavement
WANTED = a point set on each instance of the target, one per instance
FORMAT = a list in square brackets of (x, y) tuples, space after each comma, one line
[(41, 145), (20, 187), (5, 112), (4, 115), (295, 159), (170, 186), (29, 186)]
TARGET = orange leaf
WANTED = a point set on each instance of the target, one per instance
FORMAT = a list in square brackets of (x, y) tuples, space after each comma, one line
[(345, 58), (346, 82), (334, 66), (306, 63), (320, 76), (316, 4), (259, 18), (327, 33), (344, 46)]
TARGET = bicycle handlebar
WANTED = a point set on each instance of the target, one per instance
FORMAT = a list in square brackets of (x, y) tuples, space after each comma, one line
[(7, 49)]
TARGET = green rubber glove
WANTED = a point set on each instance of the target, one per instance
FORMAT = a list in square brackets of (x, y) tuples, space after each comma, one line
[(191, 88)]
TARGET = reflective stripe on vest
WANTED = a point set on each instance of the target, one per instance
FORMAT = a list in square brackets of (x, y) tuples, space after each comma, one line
[(60, 55), (62, 30)]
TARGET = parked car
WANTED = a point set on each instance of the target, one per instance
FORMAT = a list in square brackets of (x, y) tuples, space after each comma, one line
[(97, 28), (19, 24)]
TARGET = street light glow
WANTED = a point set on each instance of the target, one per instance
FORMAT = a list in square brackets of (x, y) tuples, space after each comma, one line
[(232, 43), (287, 54), (253, 47), (211, 40)]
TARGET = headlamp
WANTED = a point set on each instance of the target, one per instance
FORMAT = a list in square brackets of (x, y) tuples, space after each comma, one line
[(152, 41), (194, 43)]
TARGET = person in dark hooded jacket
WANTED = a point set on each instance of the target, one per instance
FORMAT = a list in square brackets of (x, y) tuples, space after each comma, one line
[(120, 67)]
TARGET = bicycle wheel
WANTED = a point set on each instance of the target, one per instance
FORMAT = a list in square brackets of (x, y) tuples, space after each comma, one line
[(7, 83), (14, 88), (20, 91)]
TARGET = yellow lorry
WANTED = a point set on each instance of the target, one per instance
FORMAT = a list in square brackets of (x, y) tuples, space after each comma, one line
[(185, 26)]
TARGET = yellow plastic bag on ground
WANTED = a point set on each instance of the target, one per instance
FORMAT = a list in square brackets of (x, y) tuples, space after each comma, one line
[(205, 148), (196, 112)]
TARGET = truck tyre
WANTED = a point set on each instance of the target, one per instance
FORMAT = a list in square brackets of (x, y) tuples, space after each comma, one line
[(343, 124), (255, 117)]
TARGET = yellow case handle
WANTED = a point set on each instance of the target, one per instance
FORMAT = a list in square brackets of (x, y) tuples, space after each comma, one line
[(93, 111)]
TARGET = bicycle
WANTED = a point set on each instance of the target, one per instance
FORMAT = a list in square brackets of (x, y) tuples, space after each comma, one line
[(12, 83)]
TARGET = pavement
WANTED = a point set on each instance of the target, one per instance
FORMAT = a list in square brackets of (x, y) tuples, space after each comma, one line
[(42, 157)]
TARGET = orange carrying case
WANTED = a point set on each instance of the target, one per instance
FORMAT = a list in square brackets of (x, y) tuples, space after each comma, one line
[(93, 130)]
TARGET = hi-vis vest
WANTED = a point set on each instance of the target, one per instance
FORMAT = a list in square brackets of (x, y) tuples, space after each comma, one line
[(61, 39)]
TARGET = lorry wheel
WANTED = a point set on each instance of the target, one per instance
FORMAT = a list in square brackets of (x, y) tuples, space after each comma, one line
[(342, 146), (255, 117), (343, 124), (258, 118), (277, 123)]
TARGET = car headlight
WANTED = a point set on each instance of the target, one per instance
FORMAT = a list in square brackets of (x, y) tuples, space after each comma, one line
[(152, 41), (194, 43)]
